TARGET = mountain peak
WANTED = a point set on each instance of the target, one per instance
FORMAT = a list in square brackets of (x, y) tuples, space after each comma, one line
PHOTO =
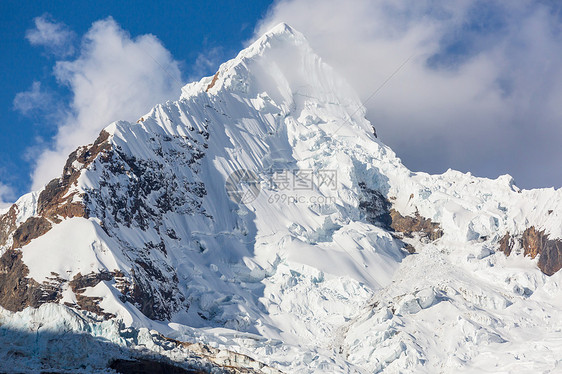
[(280, 42), (282, 33), (281, 67), (281, 28), (259, 213)]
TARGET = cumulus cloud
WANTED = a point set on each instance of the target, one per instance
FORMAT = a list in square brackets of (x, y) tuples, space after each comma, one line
[(481, 92), (35, 99), (206, 63), (6, 195), (114, 77), (55, 37)]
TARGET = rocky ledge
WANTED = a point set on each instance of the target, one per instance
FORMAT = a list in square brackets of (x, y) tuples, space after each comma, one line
[(535, 243)]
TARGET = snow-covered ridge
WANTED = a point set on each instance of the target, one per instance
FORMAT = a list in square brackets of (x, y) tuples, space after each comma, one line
[(313, 272)]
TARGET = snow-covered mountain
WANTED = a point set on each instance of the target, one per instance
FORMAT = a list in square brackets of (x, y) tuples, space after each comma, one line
[(259, 217)]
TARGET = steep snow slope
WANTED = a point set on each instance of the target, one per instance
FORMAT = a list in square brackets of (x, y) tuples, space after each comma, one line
[(260, 214)]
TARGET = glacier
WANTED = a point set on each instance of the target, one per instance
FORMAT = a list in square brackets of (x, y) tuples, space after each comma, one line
[(341, 260)]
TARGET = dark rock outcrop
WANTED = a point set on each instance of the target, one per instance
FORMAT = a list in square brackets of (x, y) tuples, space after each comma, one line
[(17, 291), (151, 191), (375, 206), (137, 193), (535, 242), (377, 210), (7, 224), (213, 81), (550, 260), (155, 292), (32, 228), (507, 242), (79, 284), (55, 201), (409, 225), (146, 366)]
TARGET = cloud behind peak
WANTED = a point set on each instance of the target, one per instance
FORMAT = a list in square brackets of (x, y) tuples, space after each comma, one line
[(479, 93)]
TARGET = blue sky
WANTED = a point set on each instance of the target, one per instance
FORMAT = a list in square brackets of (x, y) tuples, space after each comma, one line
[(481, 92)]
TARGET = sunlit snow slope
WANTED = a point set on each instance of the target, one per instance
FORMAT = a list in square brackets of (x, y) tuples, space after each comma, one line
[(260, 214)]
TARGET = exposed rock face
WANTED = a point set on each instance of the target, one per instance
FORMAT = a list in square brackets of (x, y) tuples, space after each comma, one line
[(416, 224), (17, 292), (7, 224), (128, 205), (55, 201), (535, 242), (213, 81), (378, 211), (550, 260), (159, 302), (145, 366), (32, 228), (137, 291), (138, 193), (132, 192), (375, 207), (507, 242), (79, 284)]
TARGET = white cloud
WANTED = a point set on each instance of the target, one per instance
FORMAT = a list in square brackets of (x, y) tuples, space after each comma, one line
[(34, 99), (206, 63), (55, 37), (114, 77), (6, 195), (481, 93)]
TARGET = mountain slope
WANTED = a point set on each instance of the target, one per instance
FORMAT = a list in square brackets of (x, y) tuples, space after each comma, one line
[(260, 214)]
